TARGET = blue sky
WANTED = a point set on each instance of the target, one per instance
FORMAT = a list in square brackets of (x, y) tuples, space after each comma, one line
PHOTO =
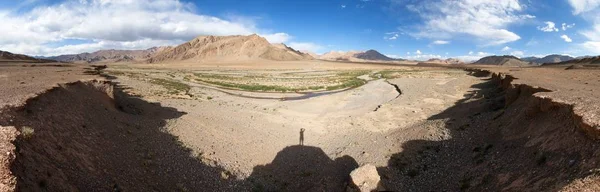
[(413, 29)]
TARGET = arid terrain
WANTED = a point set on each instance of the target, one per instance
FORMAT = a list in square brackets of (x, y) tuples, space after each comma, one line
[(237, 127)]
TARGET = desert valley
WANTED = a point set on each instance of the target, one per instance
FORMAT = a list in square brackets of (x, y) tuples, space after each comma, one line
[(243, 113), (225, 112)]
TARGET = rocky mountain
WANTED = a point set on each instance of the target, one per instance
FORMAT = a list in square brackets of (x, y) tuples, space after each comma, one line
[(111, 55), (506, 60), (443, 61), (8, 56), (339, 55), (530, 59), (229, 48), (312, 54), (590, 60), (370, 55), (548, 59)]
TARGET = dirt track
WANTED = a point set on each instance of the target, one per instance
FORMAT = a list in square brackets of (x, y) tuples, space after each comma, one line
[(446, 130)]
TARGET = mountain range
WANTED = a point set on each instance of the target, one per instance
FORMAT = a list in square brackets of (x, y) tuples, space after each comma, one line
[(548, 59), (110, 56), (443, 61), (220, 48), (505, 60), (356, 56), (8, 56), (253, 47)]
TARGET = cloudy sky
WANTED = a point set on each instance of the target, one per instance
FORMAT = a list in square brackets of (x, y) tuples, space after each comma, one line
[(413, 29)]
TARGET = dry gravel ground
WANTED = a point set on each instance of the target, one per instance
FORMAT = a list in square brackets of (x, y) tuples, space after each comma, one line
[(442, 129)]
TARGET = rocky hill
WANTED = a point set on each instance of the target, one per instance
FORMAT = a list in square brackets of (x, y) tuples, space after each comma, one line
[(111, 55), (8, 56), (583, 61), (443, 61), (506, 60), (548, 59), (370, 55), (228, 47)]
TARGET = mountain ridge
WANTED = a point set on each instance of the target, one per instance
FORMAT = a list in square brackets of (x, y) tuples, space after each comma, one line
[(238, 47)]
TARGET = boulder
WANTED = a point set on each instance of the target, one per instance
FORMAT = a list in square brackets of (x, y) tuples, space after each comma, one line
[(365, 179)]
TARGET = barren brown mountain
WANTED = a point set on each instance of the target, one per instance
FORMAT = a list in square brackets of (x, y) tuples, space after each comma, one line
[(8, 56), (369, 55), (582, 61), (110, 56), (236, 47), (445, 61), (506, 60)]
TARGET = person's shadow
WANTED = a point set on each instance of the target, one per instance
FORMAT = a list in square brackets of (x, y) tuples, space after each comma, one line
[(302, 136), (303, 168)]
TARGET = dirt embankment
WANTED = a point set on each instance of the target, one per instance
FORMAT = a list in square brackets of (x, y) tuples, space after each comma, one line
[(503, 138), (90, 136)]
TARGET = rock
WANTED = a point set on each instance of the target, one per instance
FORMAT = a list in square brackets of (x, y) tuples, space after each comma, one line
[(365, 179)]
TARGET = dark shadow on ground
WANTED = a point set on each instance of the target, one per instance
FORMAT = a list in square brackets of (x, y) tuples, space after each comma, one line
[(85, 136), (529, 145), (303, 168)]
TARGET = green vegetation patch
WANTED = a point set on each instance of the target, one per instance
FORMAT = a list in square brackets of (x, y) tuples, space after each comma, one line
[(338, 80), (173, 87), (391, 74), (351, 83), (258, 87)]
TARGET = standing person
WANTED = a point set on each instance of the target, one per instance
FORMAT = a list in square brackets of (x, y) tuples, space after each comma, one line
[(302, 136)]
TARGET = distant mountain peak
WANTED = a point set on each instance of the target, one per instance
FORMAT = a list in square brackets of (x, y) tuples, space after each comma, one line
[(503, 60), (369, 55)]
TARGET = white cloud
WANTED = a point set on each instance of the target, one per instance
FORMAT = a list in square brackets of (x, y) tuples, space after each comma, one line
[(482, 53), (391, 36), (506, 48), (393, 56), (592, 46), (468, 58), (592, 34), (277, 37), (343, 6), (306, 46), (440, 42), (423, 57), (100, 23), (472, 56), (550, 27), (418, 52), (566, 26), (566, 38), (581, 6), (485, 20), (517, 53)]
